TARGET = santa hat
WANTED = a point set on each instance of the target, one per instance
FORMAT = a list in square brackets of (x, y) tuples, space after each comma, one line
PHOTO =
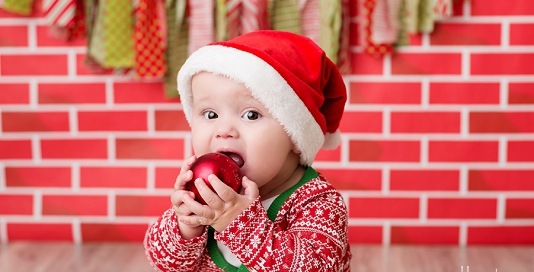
[(288, 73)]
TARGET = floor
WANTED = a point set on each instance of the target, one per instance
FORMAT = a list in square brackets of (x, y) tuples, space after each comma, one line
[(34, 257)]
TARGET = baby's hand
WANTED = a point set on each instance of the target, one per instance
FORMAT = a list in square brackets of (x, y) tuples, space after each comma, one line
[(224, 205), (186, 230)]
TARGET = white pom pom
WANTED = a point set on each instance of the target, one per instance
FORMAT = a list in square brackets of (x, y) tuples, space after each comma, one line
[(332, 140)]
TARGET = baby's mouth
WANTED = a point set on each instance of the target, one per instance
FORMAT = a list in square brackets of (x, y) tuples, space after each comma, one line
[(236, 157)]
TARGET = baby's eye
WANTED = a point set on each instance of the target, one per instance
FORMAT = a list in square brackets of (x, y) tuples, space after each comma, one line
[(210, 115), (251, 115)]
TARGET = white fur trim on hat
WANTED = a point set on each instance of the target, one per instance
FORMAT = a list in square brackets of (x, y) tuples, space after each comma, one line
[(265, 84)]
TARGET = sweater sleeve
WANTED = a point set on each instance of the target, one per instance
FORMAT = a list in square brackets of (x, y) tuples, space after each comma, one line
[(308, 234), (168, 251)]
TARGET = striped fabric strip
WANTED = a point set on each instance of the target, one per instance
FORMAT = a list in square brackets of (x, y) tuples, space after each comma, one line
[(253, 15), (386, 21), (233, 17), (285, 15), (310, 19), (59, 12), (201, 31), (442, 9)]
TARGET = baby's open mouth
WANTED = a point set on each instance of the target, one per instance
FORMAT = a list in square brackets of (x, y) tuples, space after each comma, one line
[(234, 156)]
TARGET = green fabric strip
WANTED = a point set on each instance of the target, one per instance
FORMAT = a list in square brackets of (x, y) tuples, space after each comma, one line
[(119, 39), (22, 7), (177, 41)]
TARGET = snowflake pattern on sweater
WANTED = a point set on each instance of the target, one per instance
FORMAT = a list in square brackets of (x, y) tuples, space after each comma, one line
[(307, 231)]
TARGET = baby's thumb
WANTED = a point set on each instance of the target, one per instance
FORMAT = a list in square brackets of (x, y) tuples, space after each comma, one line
[(251, 188)]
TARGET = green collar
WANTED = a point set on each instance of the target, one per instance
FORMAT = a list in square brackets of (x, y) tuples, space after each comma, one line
[(213, 250)]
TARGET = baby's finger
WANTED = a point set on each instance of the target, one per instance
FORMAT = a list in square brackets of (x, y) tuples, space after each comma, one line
[(194, 220), (251, 188), (224, 192), (198, 209), (185, 174)]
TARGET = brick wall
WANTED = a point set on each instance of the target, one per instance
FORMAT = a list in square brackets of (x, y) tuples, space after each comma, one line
[(437, 147)]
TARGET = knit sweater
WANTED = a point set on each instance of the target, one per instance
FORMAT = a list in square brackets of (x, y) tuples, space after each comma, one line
[(305, 229)]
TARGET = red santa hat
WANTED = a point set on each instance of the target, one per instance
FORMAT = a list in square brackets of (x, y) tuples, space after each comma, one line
[(288, 73)]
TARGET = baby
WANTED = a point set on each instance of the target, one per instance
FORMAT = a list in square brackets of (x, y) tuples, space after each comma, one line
[(271, 100)]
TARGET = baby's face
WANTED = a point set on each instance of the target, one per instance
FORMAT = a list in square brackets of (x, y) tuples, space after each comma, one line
[(226, 118)]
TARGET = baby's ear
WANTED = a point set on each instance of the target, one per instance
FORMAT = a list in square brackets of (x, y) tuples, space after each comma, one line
[(295, 150)]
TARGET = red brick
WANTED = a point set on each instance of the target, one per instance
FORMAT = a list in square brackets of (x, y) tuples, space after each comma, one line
[(464, 93), (34, 65), (415, 39), (501, 180), (426, 64), (466, 34), (462, 208), (83, 69), (384, 151), (74, 149), (365, 234), (361, 121), (432, 235), (136, 92), (15, 149), (112, 120), (424, 180), (13, 36), (142, 205), (385, 93), (515, 7), (72, 93), (425, 122), (16, 204), (113, 177), (463, 151), (521, 93), (331, 155), (520, 208), (365, 64), (14, 93), (166, 177), (75, 205), (501, 122), (521, 151), (38, 176), (52, 232), (502, 64), (493, 235), (35, 121), (383, 207), (518, 34), (353, 179), (110, 232), (46, 39), (167, 149), (171, 120)]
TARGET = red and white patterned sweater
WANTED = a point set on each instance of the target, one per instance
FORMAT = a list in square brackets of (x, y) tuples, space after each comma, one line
[(305, 229)]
